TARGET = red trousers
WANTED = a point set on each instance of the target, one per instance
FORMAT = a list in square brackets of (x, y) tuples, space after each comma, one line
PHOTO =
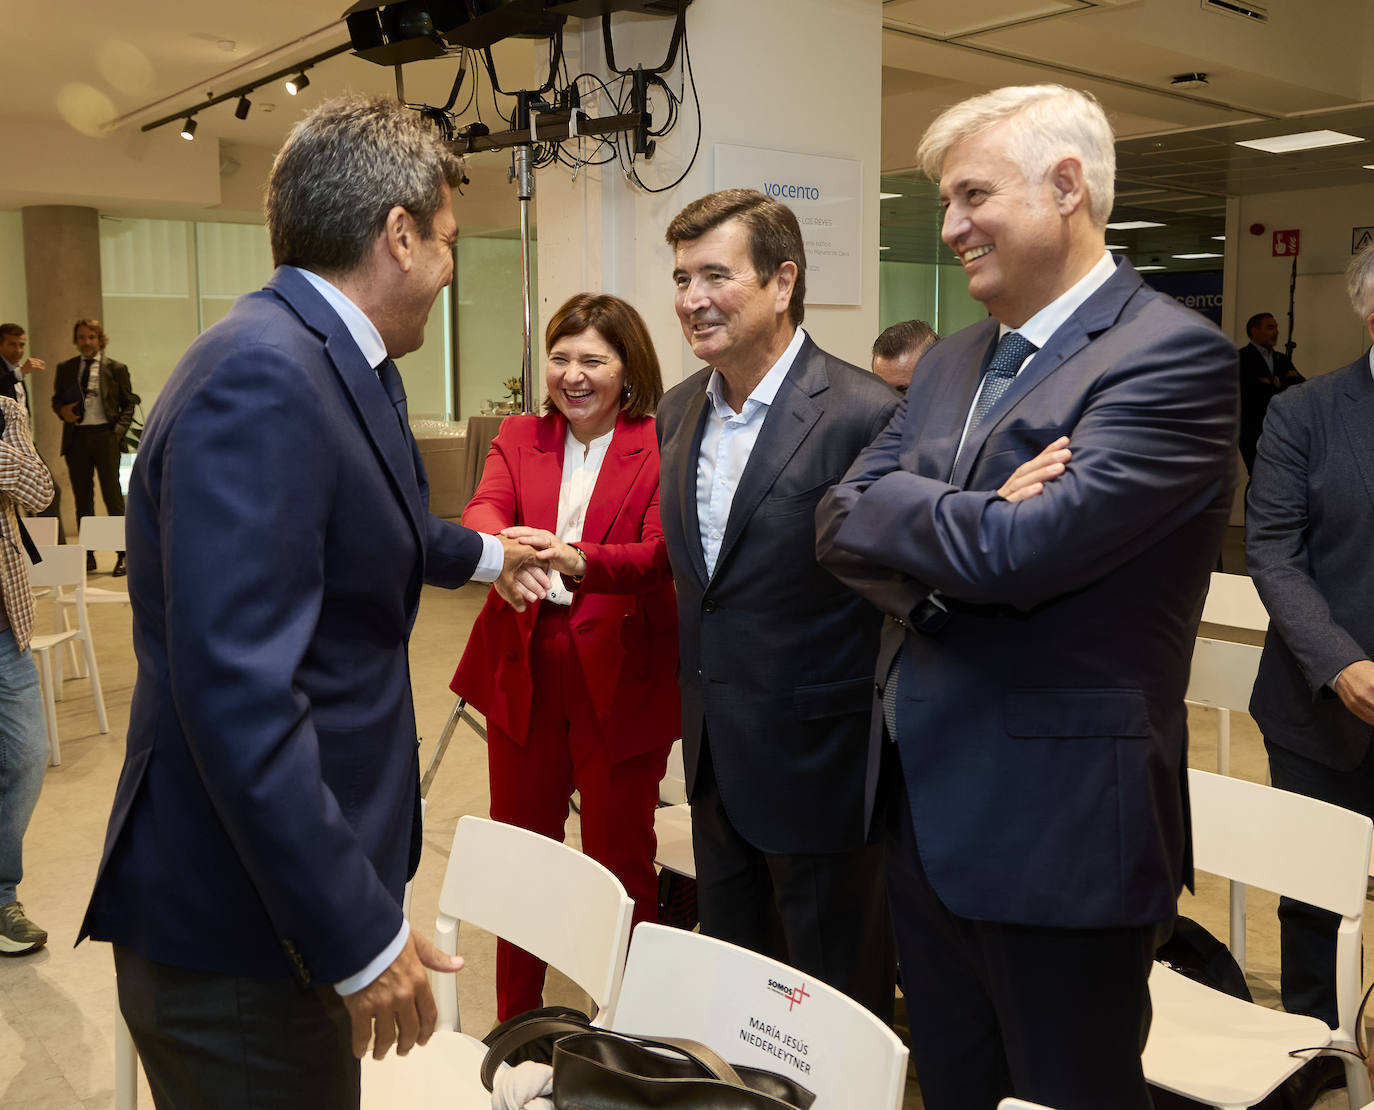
[(531, 785)]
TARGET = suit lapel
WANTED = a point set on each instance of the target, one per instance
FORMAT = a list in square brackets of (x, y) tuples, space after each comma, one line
[(541, 474), (1099, 312), (942, 424), (789, 420), (393, 445), (1358, 418), (624, 458), (683, 452)]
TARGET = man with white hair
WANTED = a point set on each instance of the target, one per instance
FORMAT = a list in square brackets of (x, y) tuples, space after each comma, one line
[(1040, 531), (1309, 529)]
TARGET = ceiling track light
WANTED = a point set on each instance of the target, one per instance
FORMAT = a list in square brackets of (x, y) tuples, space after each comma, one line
[(188, 129), (295, 84), (241, 108)]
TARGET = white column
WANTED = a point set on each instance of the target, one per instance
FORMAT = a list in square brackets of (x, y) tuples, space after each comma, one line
[(803, 76)]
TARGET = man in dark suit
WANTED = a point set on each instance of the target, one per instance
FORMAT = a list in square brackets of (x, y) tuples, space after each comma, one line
[(266, 818), (1264, 374), (93, 396), (1309, 531), (14, 367), (777, 656), (897, 350), (1043, 617)]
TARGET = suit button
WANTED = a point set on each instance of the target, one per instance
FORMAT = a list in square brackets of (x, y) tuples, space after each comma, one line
[(708, 606)]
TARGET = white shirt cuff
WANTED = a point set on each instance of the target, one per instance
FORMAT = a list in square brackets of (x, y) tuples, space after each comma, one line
[(492, 562), (354, 983)]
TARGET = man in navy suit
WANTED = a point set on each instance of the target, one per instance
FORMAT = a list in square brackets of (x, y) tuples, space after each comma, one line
[(1308, 532), (1041, 536), (266, 818), (14, 367), (776, 655), (1264, 374)]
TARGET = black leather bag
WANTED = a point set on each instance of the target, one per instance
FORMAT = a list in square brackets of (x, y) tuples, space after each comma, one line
[(594, 1069)]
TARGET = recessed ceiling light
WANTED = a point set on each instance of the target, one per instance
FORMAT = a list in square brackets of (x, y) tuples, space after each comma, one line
[(1199, 254), (884, 248), (1222, 238), (1303, 140), (1143, 269), (1132, 225), (1117, 247), (1367, 167), (890, 196)]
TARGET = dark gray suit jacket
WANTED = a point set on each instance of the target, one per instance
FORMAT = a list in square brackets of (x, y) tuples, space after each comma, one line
[(1309, 532), (777, 655)]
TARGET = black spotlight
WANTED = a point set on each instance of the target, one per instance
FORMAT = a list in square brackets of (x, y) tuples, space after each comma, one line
[(295, 84), (188, 129), (241, 108)]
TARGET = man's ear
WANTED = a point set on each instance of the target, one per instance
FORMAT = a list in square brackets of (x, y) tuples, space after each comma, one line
[(1069, 189), (1369, 325), (786, 277), (401, 237)]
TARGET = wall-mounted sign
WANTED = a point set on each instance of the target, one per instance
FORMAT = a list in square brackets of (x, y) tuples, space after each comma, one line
[(1286, 244), (827, 196), (1360, 237)]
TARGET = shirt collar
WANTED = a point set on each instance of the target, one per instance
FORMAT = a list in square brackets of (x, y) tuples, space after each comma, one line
[(571, 444), (767, 390), (1371, 360), (1040, 328), (363, 330)]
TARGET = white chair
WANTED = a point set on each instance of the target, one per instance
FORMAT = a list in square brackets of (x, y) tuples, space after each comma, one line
[(549, 899), (42, 530), (672, 790), (1232, 600), (103, 533), (64, 567), (1222, 677), (1226, 1052), (673, 830), (1021, 1104), (760, 1013)]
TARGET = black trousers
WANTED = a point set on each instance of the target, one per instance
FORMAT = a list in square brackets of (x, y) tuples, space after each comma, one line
[(821, 913), (1307, 935), (216, 1042), (1056, 1016), (93, 451)]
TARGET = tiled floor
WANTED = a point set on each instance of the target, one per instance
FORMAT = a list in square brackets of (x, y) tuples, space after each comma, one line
[(56, 1007)]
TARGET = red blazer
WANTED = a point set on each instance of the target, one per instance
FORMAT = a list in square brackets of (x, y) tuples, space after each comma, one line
[(624, 613)]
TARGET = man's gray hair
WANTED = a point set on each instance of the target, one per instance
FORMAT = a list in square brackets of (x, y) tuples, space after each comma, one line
[(341, 170), (1048, 123), (1359, 282)]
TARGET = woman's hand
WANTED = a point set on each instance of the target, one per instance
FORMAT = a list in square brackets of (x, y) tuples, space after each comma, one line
[(549, 549)]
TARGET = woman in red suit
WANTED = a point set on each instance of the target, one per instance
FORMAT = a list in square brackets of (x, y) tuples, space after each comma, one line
[(580, 689)]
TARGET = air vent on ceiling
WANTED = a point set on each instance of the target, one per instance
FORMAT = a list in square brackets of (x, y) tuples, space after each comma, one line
[(1240, 9)]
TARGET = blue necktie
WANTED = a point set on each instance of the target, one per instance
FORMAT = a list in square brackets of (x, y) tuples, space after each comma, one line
[(390, 378)]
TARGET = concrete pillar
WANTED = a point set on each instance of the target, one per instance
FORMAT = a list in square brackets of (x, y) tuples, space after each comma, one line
[(62, 271), (761, 83)]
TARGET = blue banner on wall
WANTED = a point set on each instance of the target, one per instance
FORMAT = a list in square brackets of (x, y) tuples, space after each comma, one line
[(1199, 290)]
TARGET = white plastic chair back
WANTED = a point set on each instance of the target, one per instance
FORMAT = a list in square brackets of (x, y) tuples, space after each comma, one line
[(1232, 600), (672, 790), (1223, 674), (1226, 1052), (760, 1013), (549, 899), (102, 533), (42, 530), (1021, 1104)]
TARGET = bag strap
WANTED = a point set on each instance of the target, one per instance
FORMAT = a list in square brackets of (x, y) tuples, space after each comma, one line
[(711, 1063), (519, 1035)]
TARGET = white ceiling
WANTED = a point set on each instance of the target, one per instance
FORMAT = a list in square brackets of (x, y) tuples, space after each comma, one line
[(146, 58)]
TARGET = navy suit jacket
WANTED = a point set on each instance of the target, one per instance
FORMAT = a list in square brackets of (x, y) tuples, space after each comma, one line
[(1042, 729), (776, 654), (1256, 392), (278, 534), (1309, 531)]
